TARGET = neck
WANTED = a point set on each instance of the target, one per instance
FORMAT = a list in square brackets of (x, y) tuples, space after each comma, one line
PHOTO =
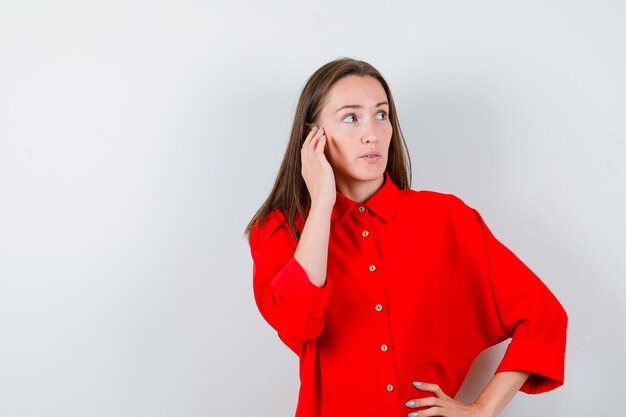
[(359, 191)]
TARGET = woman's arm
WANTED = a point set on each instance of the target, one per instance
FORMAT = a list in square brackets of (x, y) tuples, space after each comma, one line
[(290, 286), (312, 250), (499, 392), (491, 401)]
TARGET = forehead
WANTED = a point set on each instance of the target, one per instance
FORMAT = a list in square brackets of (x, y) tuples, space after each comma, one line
[(354, 89)]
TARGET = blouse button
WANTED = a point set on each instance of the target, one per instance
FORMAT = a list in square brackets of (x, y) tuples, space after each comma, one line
[(365, 233), (372, 268), (361, 209), (389, 387), (384, 348), (378, 307)]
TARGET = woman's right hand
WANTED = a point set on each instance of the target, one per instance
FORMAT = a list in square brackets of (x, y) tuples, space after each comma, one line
[(316, 170)]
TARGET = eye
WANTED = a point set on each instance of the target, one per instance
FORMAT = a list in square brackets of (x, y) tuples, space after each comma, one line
[(349, 116), (383, 117)]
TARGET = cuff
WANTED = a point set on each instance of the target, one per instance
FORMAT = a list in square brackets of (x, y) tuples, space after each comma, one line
[(292, 283), (544, 362)]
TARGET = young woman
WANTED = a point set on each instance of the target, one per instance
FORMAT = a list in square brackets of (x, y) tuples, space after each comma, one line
[(388, 294)]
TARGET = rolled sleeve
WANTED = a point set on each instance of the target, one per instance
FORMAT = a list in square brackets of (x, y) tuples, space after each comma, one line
[(283, 292), (292, 283), (531, 315), (544, 362)]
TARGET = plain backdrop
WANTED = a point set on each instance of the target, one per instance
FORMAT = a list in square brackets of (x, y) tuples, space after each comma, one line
[(138, 138)]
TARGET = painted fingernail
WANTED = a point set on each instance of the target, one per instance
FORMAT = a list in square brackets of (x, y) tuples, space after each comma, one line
[(323, 137), (417, 384), (414, 414), (410, 403)]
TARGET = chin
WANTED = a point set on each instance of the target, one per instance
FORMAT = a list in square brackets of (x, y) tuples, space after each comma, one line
[(371, 174)]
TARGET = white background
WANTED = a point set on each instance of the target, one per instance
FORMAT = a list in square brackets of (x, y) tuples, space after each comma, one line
[(138, 138)]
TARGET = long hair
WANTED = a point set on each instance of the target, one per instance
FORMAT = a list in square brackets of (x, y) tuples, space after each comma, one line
[(290, 193)]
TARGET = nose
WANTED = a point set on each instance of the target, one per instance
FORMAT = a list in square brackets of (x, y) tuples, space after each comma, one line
[(369, 133)]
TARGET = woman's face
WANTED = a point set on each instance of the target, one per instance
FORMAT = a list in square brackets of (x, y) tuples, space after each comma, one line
[(356, 123)]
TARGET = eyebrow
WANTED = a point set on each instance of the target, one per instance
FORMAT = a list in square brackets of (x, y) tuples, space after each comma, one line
[(356, 106)]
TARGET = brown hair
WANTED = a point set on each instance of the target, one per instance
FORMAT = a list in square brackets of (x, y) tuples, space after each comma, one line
[(290, 193)]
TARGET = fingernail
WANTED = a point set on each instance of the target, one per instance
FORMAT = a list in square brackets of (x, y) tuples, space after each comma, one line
[(414, 414), (323, 137), (410, 403), (314, 127), (417, 384)]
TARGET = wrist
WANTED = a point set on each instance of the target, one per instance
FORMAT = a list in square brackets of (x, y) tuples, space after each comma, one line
[(321, 207), (483, 410)]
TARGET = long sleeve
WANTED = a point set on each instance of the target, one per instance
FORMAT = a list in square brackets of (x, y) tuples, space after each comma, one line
[(285, 296), (532, 316)]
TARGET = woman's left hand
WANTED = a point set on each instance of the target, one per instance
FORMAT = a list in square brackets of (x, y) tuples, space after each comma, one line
[(441, 404)]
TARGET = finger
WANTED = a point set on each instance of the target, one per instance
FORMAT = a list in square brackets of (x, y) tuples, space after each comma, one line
[(314, 130), (432, 412), (309, 144), (425, 402), (434, 388), (321, 143), (315, 139)]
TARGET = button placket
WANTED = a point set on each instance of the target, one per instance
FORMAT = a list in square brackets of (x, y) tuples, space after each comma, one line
[(377, 293)]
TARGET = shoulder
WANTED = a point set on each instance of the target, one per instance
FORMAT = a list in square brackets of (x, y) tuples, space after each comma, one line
[(435, 201), (273, 230), (442, 214)]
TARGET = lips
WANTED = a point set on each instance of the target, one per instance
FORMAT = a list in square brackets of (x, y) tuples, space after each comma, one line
[(371, 158)]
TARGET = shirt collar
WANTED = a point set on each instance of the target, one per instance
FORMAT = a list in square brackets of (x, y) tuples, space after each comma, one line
[(383, 203)]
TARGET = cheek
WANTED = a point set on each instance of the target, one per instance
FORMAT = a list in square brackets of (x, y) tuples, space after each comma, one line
[(339, 141), (342, 136), (386, 133), (387, 130), (330, 150), (335, 149)]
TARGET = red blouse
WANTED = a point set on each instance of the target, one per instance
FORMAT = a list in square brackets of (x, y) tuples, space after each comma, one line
[(416, 287)]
